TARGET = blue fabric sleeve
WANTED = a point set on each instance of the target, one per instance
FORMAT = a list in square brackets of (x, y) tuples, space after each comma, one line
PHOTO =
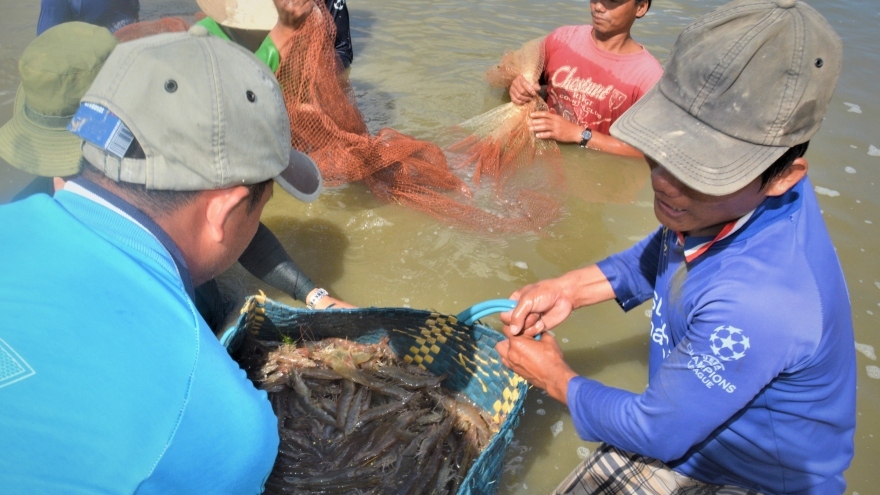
[(52, 13), (631, 273), (694, 393), (111, 14)]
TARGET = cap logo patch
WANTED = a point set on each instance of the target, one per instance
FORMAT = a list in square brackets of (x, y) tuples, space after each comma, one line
[(101, 127)]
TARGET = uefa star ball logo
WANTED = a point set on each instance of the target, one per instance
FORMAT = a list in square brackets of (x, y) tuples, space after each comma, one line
[(728, 343)]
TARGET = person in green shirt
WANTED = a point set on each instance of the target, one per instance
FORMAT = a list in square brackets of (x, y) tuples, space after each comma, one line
[(262, 28)]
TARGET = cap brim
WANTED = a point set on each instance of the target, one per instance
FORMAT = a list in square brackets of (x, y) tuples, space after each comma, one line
[(301, 179), (36, 149), (703, 158)]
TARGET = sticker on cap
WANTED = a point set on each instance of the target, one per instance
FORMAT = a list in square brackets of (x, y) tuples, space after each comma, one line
[(101, 127)]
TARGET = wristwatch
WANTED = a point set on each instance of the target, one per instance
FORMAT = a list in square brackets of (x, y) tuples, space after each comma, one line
[(585, 136), (317, 296)]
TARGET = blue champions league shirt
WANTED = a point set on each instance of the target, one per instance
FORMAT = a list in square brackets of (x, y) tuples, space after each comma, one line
[(752, 377)]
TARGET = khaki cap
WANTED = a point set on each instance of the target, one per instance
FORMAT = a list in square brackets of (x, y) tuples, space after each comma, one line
[(741, 86), (206, 112)]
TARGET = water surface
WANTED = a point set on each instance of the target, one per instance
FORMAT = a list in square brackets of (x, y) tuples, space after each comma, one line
[(418, 68)]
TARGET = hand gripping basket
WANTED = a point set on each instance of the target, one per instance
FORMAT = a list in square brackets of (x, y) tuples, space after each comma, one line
[(440, 343)]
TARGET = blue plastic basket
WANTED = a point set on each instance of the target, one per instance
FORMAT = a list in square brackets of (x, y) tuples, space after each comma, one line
[(439, 343)]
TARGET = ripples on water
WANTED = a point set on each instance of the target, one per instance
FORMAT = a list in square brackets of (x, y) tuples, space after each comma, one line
[(418, 68)]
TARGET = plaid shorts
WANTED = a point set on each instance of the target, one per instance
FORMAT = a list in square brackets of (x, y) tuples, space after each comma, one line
[(611, 471)]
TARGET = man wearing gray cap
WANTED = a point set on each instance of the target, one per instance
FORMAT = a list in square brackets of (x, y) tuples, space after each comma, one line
[(751, 371), (110, 381)]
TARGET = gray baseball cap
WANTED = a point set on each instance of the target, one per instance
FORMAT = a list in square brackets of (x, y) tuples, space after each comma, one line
[(742, 85), (206, 112)]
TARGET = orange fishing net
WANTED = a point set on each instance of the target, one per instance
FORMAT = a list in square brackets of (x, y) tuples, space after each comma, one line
[(498, 177), (326, 123)]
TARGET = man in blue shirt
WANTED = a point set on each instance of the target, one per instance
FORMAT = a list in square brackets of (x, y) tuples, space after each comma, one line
[(110, 381), (751, 373), (111, 14)]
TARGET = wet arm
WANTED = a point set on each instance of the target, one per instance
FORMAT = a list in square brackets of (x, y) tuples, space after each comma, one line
[(548, 125), (610, 144)]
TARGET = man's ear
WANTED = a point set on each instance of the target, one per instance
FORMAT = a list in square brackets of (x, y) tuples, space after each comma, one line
[(780, 184), (222, 203), (641, 8)]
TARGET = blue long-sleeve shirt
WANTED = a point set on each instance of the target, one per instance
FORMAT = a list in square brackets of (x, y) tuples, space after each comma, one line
[(752, 374), (111, 14)]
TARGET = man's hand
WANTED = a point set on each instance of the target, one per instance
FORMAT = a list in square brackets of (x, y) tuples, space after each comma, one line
[(522, 91), (540, 307), (539, 362), (548, 125), (545, 304), (292, 13)]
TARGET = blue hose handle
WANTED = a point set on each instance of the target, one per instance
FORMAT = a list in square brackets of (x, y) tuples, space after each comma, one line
[(485, 308)]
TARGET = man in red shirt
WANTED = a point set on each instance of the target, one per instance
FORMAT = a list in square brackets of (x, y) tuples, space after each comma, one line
[(593, 75)]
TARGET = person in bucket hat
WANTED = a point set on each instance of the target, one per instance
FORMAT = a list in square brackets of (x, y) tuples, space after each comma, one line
[(265, 26), (751, 370), (112, 382), (56, 70)]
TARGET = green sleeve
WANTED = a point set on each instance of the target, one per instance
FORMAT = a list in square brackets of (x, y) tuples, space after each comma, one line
[(213, 28), (267, 52)]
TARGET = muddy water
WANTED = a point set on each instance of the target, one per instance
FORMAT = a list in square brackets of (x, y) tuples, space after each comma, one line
[(418, 68)]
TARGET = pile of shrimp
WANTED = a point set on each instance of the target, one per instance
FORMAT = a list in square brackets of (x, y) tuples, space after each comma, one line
[(353, 418)]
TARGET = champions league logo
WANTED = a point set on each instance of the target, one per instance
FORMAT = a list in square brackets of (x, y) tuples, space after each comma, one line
[(709, 370), (728, 343)]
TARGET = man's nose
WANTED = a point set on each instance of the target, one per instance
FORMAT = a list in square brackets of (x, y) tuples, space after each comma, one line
[(663, 181)]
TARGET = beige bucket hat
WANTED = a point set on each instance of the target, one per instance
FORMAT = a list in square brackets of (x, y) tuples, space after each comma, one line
[(56, 70), (258, 15)]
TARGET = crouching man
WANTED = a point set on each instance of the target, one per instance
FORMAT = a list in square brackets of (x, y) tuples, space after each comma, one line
[(751, 372), (111, 381)]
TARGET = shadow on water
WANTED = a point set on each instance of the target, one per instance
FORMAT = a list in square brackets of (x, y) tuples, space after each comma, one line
[(377, 107), (318, 246)]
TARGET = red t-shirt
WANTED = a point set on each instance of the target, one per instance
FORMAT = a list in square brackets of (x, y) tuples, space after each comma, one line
[(590, 86)]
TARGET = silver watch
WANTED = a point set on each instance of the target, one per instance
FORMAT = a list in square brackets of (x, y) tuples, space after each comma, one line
[(585, 136)]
